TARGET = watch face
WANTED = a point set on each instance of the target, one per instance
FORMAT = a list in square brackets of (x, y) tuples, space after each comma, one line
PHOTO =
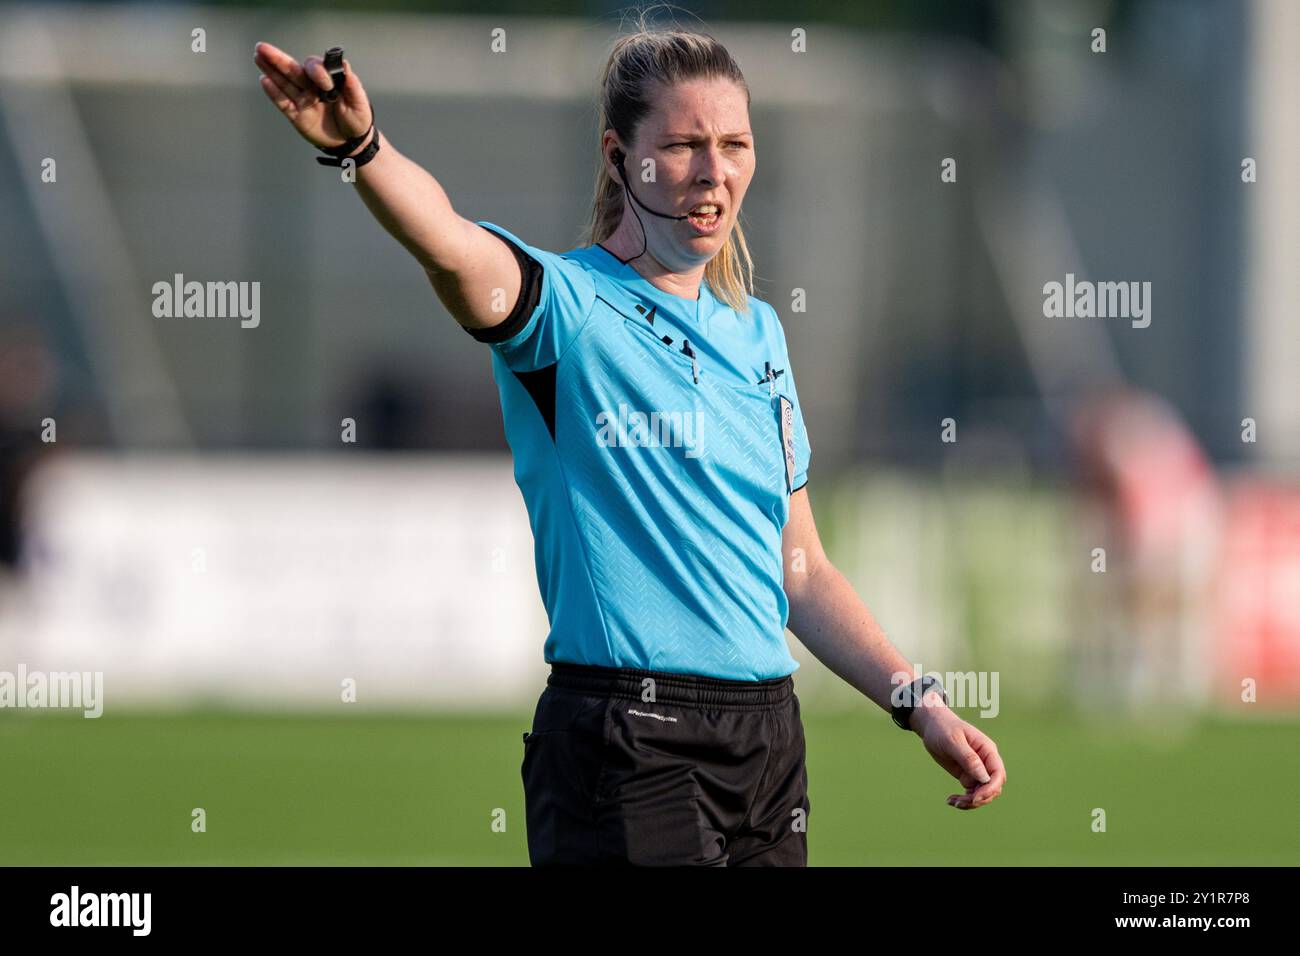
[(910, 699), (932, 683), (915, 693)]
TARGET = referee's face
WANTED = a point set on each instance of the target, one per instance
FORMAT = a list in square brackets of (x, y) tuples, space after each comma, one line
[(702, 150)]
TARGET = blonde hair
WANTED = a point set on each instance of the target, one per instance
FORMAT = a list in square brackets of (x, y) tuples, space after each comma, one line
[(639, 65)]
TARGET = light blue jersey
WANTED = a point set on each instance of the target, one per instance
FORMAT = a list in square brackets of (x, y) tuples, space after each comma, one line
[(656, 441)]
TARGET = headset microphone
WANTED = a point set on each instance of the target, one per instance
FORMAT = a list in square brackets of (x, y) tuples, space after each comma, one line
[(623, 174), (618, 162)]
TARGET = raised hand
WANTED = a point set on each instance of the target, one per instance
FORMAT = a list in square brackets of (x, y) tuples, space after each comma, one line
[(295, 90)]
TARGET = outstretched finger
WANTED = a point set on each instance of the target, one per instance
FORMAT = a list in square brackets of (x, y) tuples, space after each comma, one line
[(300, 97), (282, 62), (288, 90), (277, 96)]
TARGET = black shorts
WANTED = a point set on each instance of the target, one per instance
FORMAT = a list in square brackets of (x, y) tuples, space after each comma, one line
[(647, 768)]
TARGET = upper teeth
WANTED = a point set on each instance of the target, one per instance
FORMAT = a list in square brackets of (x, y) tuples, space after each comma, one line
[(706, 209)]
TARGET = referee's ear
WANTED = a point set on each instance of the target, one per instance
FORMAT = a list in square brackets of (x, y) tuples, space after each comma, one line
[(612, 156)]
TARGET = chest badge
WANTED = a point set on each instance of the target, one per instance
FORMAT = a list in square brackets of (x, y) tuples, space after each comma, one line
[(787, 441)]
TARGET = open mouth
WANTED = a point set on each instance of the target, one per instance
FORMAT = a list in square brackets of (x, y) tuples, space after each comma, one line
[(705, 216)]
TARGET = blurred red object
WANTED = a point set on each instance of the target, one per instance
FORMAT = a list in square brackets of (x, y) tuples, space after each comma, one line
[(1140, 458), (1258, 598)]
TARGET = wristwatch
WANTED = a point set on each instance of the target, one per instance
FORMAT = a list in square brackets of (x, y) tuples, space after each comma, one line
[(910, 697)]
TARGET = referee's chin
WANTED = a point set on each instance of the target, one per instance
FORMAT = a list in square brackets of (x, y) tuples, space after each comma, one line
[(686, 250), (706, 246)]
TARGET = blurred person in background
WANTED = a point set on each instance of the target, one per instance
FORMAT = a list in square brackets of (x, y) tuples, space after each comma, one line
[(28, 386), (670, 557), (1153, 504)]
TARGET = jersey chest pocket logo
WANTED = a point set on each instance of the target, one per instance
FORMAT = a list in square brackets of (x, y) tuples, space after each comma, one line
[(640, 337), (639, 331)]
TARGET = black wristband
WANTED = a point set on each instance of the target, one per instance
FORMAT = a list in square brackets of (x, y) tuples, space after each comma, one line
[(344, 148), (360, 159)]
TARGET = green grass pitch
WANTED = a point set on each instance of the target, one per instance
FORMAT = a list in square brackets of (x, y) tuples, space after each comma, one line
[(395, 790)]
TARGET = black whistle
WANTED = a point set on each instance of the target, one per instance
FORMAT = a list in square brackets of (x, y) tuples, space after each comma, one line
[(338, 76)]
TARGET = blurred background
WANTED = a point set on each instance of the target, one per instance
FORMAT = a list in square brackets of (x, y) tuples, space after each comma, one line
[(333, 646)]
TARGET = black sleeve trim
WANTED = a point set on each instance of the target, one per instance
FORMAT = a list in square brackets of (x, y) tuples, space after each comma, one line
[(804, 485), (530, 293)]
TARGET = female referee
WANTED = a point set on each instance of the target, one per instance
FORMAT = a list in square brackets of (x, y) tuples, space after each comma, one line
[(651, 410)]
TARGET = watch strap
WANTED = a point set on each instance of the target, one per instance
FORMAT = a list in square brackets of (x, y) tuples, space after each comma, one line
[(901, 714)]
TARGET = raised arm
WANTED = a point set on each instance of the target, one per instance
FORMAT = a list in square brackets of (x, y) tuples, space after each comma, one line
[(472, 271)]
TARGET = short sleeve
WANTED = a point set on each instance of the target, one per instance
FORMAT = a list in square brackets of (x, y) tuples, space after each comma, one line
[(530, 339), (802, 446)]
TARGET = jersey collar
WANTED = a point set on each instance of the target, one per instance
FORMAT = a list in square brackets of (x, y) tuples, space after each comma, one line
[(699, 310)]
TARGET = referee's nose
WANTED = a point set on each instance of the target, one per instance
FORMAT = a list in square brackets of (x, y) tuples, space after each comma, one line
[(712, 170)]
